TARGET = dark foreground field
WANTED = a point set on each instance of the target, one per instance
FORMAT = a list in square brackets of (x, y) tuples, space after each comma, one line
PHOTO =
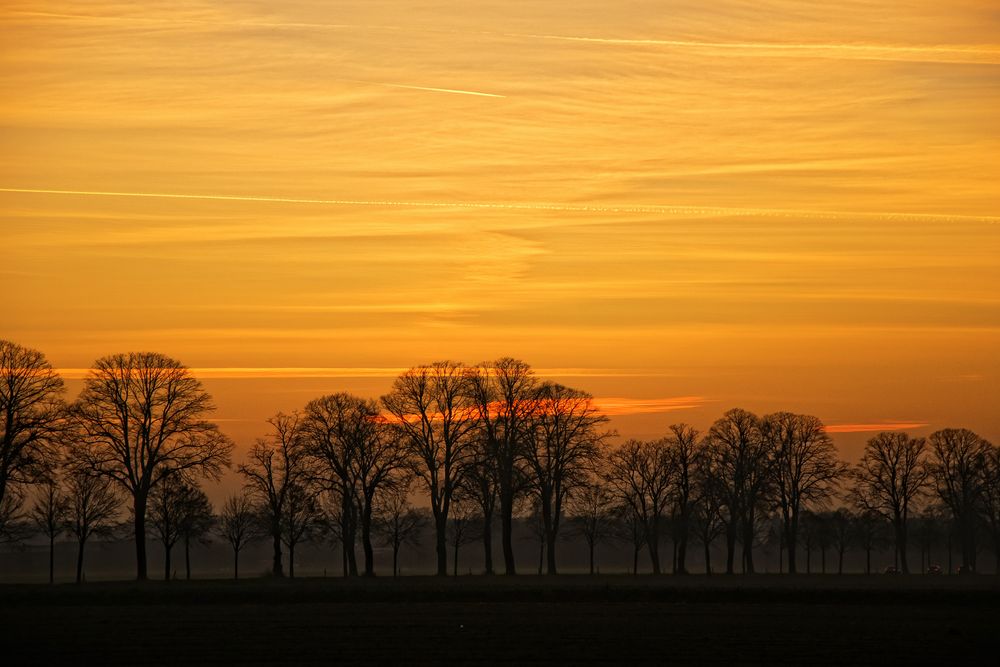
[(762, 620)]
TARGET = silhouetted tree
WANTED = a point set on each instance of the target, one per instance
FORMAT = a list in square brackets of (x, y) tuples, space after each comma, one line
[(631, 529), (742, 462), (275, 467), (31, 411), (480, 488), (564, 449), (194, 523), (93, 510), (142, 417), (929, 527), (956, 460), (685, 453), (398, 522), (431, 407), (591, 516), (49, 514), (889, 479), (841, 530), (165, 509), (638, 474), (301, 517), (463, 526), (238, 524), (869, 533), (806, 469), (505, 394), (991, 500)]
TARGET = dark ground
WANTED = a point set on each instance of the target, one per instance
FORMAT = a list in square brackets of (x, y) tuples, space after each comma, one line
[(824, 620)]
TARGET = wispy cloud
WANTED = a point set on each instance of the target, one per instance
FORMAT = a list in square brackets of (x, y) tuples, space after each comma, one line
[(874, 428), (617, 406)]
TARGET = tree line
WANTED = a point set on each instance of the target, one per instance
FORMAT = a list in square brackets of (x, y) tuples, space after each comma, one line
[(486, 445)]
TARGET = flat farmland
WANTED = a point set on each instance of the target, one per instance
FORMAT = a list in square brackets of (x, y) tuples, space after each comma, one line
[(825, 620)]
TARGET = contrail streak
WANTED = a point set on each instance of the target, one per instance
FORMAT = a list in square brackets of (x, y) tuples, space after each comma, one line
[(982, 54), (987, 55), (539, 206), (427, 88)]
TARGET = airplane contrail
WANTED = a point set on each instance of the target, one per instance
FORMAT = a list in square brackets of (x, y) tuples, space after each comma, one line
[(454, 91), (981, 54), (537, 206), (987, 55)]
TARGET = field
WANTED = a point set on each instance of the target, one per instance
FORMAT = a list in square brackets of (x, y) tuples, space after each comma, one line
[(827, 620)]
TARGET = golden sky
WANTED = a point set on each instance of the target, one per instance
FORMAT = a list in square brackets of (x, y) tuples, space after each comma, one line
[(679, 206)]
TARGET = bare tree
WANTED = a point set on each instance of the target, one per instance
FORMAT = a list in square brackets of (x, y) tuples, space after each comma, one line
[(505, 395), (431, 406), (398, 522), (869, 533), (479, 487), (956, 460), (142, 417), (890, 479), (275, 467), (630, 528), (841, 525), (685, 452), (165, 513), (591, 517), (49, 514), (742, 462), (195, 522), (31, 411), (991, 500), (463, 527), (806, 470), (301, 517), (238, 524), (94, 507), (566, 444), (639, 476)]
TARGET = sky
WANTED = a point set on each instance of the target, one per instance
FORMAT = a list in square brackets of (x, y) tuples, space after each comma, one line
[(679, 206)]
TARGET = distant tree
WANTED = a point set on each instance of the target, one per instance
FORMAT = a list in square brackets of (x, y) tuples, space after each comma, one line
[(49, 514), (398, 522), (535, 525), (591, 516), (685, 453), (956, 460), (31, 412), (142, 418), (275, 468), (165, 509), (806, 470), (505, 395), (841, 529), (432, 408), (742, 462), (239, 525), (639, 476), (301, 518), (463, 526), (890, 479), (94, 507), (930, 526), (195, 522), (480, 487), (631, 529), (813, 529), (991, 500), (707, 518), (565, 446), (869, 534)]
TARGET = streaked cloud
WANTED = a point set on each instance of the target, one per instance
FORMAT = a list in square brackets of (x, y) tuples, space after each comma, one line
[(874, 428)]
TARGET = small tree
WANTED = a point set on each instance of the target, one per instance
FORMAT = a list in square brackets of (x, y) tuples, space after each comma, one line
[(94, 507), (49, 515), (841, 524), (590, 516), (238, 525), (195, 522), (463, 527), (164, 509), (398, 522)]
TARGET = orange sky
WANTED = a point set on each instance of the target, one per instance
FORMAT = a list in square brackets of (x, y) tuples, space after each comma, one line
[(776, 205)]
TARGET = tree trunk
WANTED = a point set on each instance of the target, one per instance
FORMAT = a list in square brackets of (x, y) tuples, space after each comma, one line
[(653, 545), (809, 558), (840, 562), (591, 545), (166, 562), (277, 569), (635, 561), (730, 549), (708, 557), (682, 550), (748, 547), (550, 550), (901, 545), (236, 564), (868, 560), (488, 543), (139, 507), (822, 560), (395, 561), (366, 538), (441, 528), (291, 561), (187, 558), (79, 562), (456, 559), (52, 558), (541, 556), (793, 538), (506, 531)]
